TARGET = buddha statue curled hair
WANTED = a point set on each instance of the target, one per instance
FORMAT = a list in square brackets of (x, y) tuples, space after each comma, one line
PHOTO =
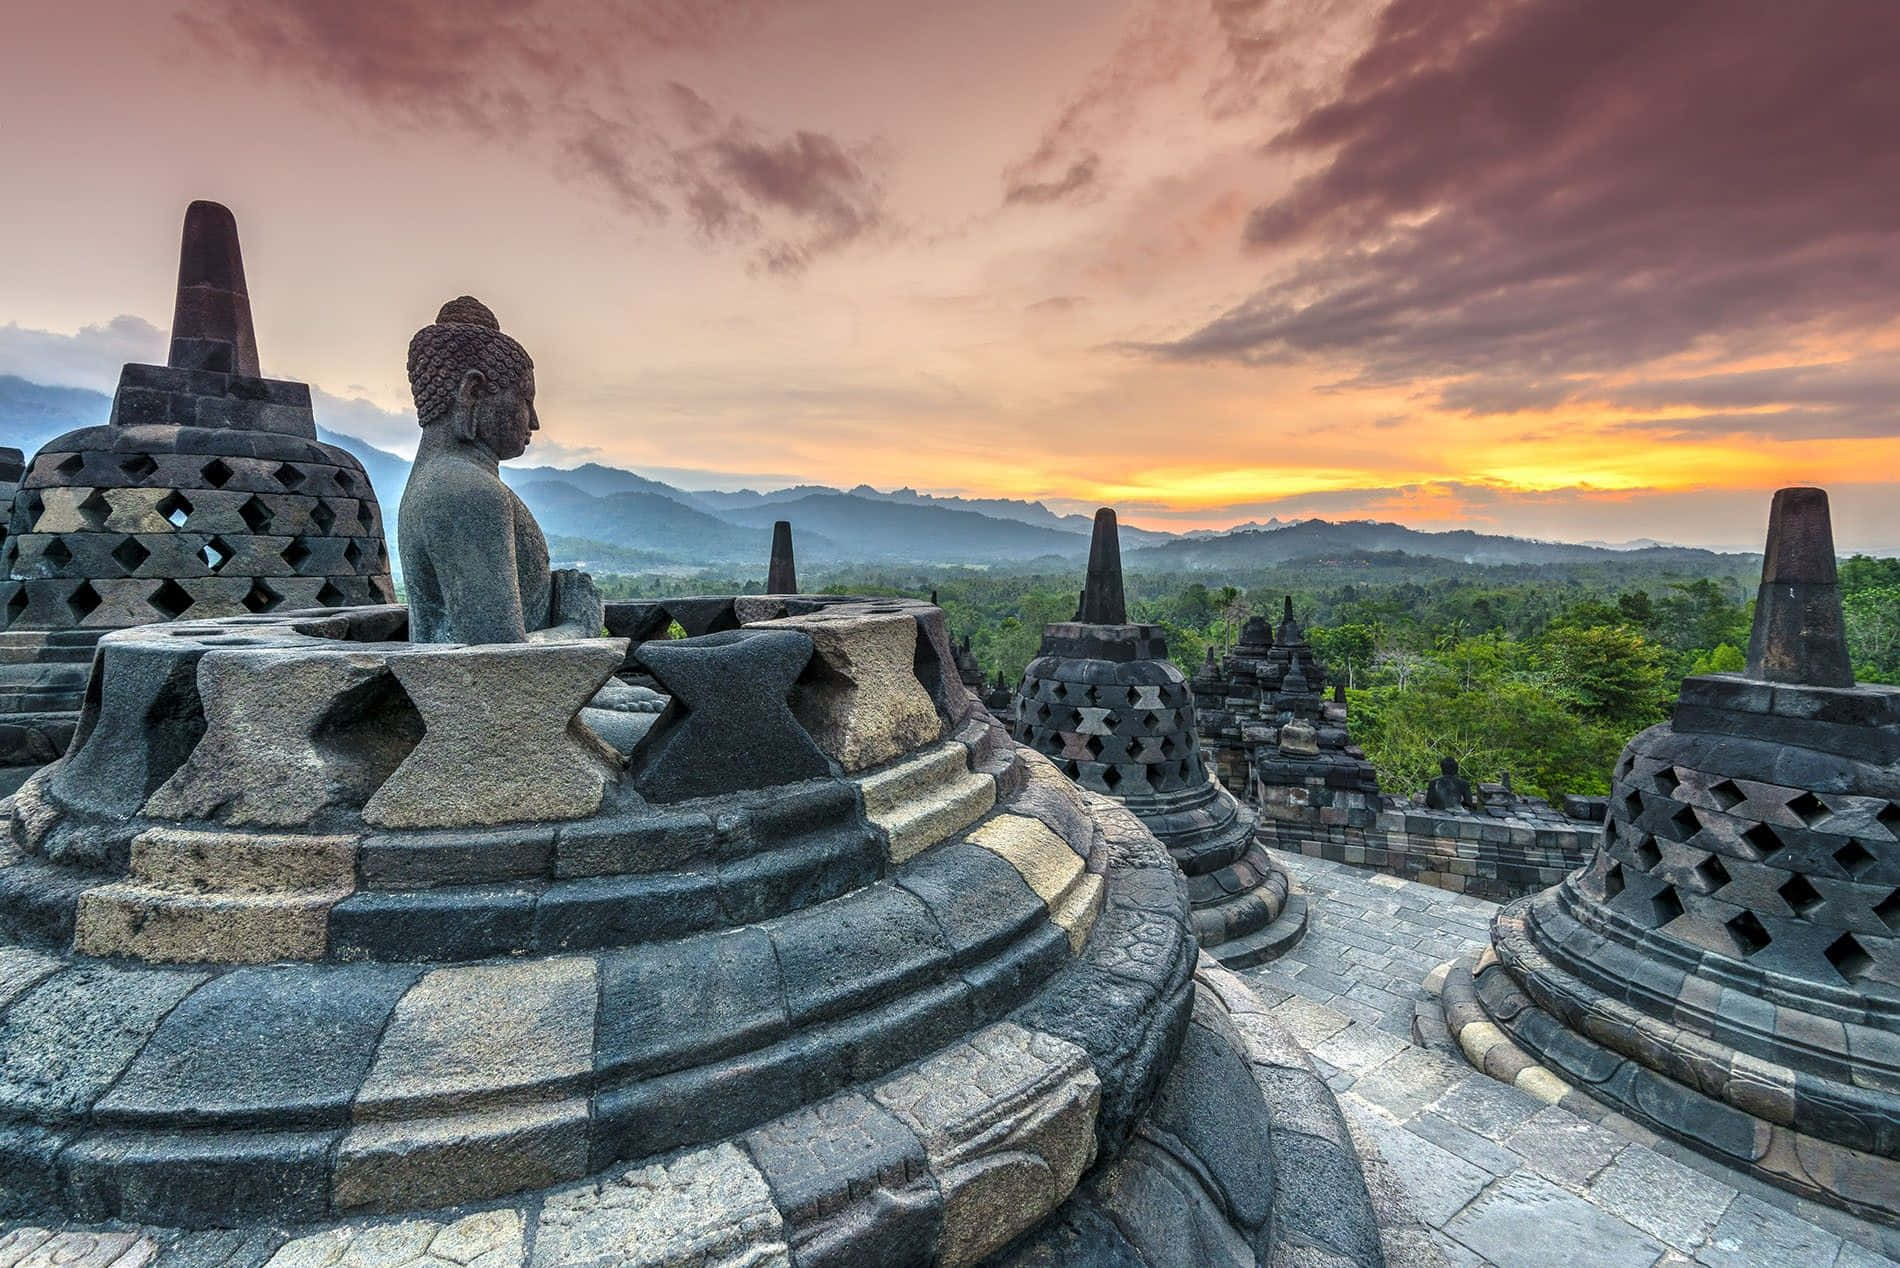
[(465, 336)]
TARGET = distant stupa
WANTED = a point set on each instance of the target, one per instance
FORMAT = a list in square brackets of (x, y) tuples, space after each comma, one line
[(781, 576)]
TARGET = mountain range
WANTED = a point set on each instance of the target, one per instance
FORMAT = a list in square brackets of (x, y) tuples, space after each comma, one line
[(616, 520)]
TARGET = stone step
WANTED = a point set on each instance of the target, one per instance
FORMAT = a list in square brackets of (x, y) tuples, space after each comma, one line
[(924, 799), (242, 863), (147, 922), (1268, 943)]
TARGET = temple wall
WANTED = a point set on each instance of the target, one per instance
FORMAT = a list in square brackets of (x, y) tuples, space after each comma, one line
[(1486, 857)]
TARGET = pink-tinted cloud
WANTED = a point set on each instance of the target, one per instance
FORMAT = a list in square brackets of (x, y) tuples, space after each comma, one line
[(1516, 192), (555, 74)]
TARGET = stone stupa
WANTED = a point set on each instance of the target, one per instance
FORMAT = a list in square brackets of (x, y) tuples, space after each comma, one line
[(781, 572), (1103, 701), (367, 950), (206, 494), (1726, 969)]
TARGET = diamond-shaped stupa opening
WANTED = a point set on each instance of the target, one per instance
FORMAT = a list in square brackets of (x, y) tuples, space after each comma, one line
[(261, 597), (1646, 852), (1855, 859), (216, 553), (1800, 894), (83, 601), (1749, 933), (1665, 906), (256, 514), (176, 508), (1712, 874), (1762, 839), (1888, 910), (171, 599), (130, 554), (217, 473), (1849, 957), (1809, 808)]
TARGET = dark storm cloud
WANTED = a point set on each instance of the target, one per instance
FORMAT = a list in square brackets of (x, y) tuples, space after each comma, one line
[(1515, 193), (542, 72)]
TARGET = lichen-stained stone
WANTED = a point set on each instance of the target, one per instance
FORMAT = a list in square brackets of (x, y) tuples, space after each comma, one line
[(926, 797), (1049, 867), (728, 726), (239, 862), (430, 1162), (64, 1042), (172, 926), (486, 1239), (500, 740), (1050, 796), (469, 1033), (1007, 1118), (512, 1036), (46, 1248), (862, 700), (852, 1182), (709, 1209), (262, 760)]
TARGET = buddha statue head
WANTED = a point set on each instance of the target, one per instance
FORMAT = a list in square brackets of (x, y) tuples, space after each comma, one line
[(473, 381)]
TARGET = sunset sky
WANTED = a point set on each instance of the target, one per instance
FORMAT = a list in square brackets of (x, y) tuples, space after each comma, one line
[(1590, 270)]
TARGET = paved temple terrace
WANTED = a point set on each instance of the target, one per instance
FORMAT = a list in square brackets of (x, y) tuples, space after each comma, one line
[(1498, 1176)]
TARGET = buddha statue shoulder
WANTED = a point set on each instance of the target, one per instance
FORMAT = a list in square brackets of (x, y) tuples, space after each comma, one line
[(474, 561)]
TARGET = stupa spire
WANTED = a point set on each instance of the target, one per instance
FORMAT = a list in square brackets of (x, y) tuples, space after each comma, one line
[(1799, 634), (1102, 601), (211, 319), (781, 577)]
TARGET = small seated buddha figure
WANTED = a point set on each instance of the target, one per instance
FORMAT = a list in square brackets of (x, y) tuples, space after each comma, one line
[(1450, 791), (473, 559)]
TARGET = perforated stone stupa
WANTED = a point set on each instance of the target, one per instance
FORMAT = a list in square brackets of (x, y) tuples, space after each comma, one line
[(1102, 701), (350, 943), (1726, 968), (206, 494)]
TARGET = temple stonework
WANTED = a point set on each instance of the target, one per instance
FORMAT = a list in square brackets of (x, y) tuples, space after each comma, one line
[(1102, 700), (1725, 970), (325, 943), (1286, 745), (206, 494)]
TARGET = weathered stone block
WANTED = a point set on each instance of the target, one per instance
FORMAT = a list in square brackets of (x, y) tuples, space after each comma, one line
[(1007, 1121)]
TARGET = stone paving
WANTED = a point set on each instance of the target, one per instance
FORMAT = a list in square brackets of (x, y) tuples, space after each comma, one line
[(1497, 1175)]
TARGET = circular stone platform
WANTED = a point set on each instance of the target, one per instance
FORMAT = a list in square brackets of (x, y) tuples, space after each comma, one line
[(371, 950)]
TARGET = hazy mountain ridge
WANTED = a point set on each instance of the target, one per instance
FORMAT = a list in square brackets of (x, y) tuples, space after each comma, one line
[(611, 517), (1316, 538)]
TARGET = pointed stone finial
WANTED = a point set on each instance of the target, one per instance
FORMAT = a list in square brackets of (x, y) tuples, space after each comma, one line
[(782, 576), (1102, 602), (211, 321), (933, 598), (1799, 634), (1287, 614)]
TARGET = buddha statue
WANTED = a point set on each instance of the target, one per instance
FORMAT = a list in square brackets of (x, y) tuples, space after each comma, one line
[(1450, 791), (473, 559)]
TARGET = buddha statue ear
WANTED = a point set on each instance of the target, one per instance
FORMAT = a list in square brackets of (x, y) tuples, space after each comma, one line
[(473, 387)]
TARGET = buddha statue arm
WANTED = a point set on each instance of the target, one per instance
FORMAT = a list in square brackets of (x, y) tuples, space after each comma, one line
[(475, 566), (576, 608)]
